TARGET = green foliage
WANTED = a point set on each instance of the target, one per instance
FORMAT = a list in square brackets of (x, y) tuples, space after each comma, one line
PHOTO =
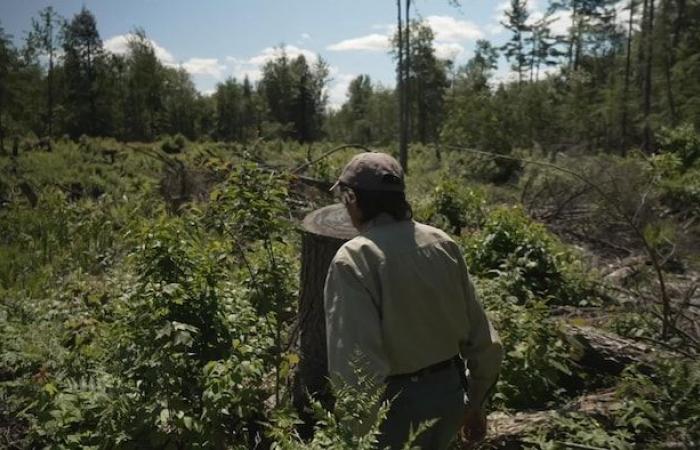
[(172, 145), (250, 205), (529, 259), (536, 357), (682, 141), (453, 206), (651, 411), (354, 423)]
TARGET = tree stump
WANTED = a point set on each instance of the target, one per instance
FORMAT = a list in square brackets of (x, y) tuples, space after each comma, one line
[(323, 232)]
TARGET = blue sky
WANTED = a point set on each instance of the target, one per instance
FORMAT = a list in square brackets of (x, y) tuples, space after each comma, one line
[(215, 39)]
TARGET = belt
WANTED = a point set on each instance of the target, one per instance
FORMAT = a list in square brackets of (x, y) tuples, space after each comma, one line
[(413, 376)]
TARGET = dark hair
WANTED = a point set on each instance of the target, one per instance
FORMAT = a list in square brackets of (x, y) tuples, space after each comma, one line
[(373, 203)]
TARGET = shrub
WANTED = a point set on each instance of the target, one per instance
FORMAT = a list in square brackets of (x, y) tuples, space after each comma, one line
[(174, 144), (529, 259), (536, 357), (683, 141), (651, 412), (454, 207)]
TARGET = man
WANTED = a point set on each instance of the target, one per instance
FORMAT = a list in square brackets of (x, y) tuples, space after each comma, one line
[(400, 295)]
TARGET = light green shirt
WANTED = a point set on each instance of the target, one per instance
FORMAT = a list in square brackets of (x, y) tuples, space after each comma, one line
[(400, 294)]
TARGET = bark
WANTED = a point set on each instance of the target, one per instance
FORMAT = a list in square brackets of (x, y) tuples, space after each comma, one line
[(2, 133), (404, 75), (647, 145), (508, 431), (323, 232), (403, 135), (626, 88), (598, 351), (574, 36), (669, 59)]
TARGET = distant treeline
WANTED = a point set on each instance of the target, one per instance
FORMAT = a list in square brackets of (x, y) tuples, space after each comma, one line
[(622, 71)]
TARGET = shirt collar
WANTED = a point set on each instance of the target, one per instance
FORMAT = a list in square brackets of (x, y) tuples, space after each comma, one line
[(381, 219)]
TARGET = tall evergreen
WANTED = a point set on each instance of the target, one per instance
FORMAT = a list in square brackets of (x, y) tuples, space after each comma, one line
[(45, 39), (83, 51), (514, 50)]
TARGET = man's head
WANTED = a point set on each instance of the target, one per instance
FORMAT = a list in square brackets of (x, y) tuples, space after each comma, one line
[(371, 184)]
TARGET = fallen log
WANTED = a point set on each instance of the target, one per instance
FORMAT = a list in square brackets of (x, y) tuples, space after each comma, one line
[(601, 351), (511, 431)]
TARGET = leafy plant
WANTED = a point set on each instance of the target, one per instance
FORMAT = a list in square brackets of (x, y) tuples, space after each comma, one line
[(512, 247), (536, 356), (454, 207)]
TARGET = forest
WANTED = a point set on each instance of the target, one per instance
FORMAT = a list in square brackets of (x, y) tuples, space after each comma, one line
[(151, 235)]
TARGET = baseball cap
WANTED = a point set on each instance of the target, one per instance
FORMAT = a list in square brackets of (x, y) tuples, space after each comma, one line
[(372, 172)]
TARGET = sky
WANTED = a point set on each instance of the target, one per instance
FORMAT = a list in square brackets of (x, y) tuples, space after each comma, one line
[(217, 39)]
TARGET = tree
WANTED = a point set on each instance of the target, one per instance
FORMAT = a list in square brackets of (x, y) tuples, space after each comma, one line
[(7, 62), (45, 39), (229, 111), (542, 46), (180, 112), (428, 81), (357, 109), (627, 74), (648, 39), (402, 50), (144, 94), (478, 70), (294, 94), (276, 86), (252, 111), (514, 49), (83, 53)]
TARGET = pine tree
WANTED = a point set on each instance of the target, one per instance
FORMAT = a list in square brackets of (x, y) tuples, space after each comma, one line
[(517, 16), (83, 54), (144, 94), (45, 39)]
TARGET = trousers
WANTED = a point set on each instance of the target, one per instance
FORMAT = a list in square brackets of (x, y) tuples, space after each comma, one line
[(438, 395)]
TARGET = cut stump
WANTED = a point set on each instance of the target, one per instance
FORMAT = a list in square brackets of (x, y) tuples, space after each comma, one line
[(323, 232)]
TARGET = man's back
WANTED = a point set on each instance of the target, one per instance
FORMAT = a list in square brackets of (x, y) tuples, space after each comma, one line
[(416, 278)]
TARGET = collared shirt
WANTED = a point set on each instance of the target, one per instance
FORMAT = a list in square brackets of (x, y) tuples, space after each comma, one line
[(399, 295)]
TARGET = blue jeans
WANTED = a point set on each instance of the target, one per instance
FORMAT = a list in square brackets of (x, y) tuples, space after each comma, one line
[(437, 395)]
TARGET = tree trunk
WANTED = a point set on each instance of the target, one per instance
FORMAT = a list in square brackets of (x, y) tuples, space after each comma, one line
[(2, 134), (669, 59), (642, 39), (647, 144), (403, 143), (625, 90), (323, 232), (404, 75), (599, 351), (573, 35), (514, 431)]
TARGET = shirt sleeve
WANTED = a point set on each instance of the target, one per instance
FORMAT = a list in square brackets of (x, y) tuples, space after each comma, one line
[(482, 347), (353, 325)]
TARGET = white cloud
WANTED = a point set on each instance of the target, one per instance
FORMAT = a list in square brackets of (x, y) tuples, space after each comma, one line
[(292, 51), (205, 66), (448, 50), (561, 19), (305, 36), (338, 89), (241, 68), (372, 43), (252, 67), (449, 34), (119, 45), (449, 29)]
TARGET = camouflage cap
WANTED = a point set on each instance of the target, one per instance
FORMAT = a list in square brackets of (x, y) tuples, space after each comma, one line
[(372, 172)]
